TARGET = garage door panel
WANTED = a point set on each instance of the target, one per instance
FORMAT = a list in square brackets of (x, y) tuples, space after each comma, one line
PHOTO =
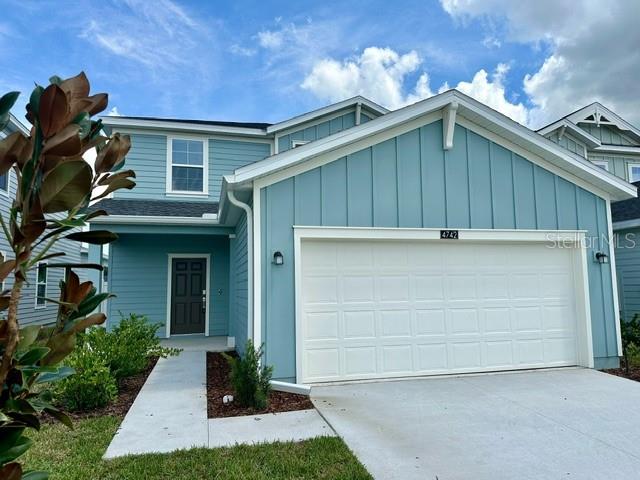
[(380, 311)]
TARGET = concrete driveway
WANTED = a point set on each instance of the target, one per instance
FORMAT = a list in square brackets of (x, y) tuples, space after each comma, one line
[(569, 423)]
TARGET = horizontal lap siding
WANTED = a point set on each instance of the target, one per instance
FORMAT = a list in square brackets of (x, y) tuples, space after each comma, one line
[(148, 158), (410, 181), (27, 313), (139, 271)]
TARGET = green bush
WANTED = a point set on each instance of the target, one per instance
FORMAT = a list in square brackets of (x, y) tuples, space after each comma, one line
[(128, 347), (250, 382), (91, 386), (630, 331)]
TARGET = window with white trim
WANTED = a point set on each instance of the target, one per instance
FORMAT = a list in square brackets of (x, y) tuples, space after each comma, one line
[(298, 143), (4, 183), (634, 172), (4, 282), (187, 170), (602, 164), (41, 284)]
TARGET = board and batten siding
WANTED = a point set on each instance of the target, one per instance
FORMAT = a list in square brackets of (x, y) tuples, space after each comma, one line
[(607, 134), (627, 253), (138, 273), (238, 281), (27, 313), (320, 130), (148, 158), (410, 181), (570, 143), (617, 164)]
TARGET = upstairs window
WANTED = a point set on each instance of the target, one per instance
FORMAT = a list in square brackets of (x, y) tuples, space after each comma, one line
[(634, 172), (187, 171), (4, 183), (41, 285)]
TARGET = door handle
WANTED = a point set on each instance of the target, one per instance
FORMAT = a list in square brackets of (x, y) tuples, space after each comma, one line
[(204, 301)]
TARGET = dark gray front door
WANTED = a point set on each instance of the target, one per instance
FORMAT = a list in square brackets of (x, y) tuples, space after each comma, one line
[(188, 295)]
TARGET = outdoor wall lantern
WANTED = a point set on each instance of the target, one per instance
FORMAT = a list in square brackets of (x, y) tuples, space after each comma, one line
[(601, 257), (278, 258)]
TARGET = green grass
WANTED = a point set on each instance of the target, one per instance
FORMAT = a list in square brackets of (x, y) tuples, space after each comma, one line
[(76, 454)]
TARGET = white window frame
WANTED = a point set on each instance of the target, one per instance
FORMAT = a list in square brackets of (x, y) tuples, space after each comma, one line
[(205, 166), (3, 258), (298, 143), (37, 283), (602, 164), (629, 169)]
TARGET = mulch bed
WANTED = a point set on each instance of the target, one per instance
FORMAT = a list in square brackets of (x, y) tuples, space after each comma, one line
[(128, 389), (218, 386), (634, 372)]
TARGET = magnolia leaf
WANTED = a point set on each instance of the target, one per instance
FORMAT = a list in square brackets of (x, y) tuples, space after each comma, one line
[(97, 103), (4, 302), (15, 148), (20, 446), (31, 356), (52, 255), (13, 471), (65, 143), (66, 186), (107, 179), (54, 110), (34, 100), (35, 475), (60, 416), (28, 335), (94, 266), (6, 268), (94, 214), (55, 79), (61, 372), (118, 184), (61, 345), (76, 87), (94, 237), (7, 101), (113, 153), (90, 321)]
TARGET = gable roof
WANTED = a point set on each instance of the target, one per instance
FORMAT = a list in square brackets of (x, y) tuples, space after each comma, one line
[(328, 110), (575, 130), (256, 129), (468, 108)]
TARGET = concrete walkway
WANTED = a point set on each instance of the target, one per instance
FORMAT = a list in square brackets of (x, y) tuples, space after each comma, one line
[(570, 423), (170, 413)]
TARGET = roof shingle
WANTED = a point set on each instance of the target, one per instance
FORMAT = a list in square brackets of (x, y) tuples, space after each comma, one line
[(155, 208)]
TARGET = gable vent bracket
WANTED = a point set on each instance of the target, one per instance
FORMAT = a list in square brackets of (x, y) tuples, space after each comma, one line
[(448, 125)]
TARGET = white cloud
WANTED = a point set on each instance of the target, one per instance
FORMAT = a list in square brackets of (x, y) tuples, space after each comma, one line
[(592, 46), (242, 51), (382, 75), (270, 39)]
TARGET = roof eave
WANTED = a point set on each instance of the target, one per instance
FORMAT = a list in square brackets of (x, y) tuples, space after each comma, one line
[(209, 220), (125, 123)]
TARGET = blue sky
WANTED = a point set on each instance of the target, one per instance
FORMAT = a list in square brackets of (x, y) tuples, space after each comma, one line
[(269, 60)]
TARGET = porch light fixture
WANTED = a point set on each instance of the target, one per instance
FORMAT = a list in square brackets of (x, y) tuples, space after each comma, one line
[(601, 257), (278, 258)]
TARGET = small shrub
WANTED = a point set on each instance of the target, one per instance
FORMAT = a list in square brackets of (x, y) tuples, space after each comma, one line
[(128, 347), (91, 386), (630, 331), (250, 382)]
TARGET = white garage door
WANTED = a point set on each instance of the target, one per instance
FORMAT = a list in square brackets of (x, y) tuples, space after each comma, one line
[(391, 308)]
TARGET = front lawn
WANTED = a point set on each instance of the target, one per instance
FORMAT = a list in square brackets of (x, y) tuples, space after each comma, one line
[(76, 455)]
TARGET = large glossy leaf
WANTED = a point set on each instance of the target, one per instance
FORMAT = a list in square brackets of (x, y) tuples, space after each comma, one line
[(20, 446), (34, 354), (107, 179), (65, 143), (90, 321), (6, 268), (66, 186), (15, 148), (12, 471), (118, 184), (111, 155), (62, 372), (60, 416), (35, 475), (7, 101), (28, 335), (54, 110), (94, 237)]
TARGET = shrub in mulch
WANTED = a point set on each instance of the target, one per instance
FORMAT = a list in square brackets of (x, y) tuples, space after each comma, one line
[(219, 385), (128, 389), (633, 374)]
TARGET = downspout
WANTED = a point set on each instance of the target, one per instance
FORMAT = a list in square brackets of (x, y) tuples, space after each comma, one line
[(234, 201)]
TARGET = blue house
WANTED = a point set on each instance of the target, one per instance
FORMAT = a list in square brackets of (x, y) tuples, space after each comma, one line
[(43, 282), (607, 140), (358, 243)]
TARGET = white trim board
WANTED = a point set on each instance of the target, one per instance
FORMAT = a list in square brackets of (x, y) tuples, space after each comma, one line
[(170, 257), (535, 145), (614, 279), (211, 220), (574, 239)]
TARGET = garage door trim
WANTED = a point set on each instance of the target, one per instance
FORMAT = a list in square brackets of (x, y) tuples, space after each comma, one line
[(571, 239)]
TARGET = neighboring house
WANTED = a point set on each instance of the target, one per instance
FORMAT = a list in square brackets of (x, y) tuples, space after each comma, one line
[(42, 282), (609, 141), (357, 243)]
